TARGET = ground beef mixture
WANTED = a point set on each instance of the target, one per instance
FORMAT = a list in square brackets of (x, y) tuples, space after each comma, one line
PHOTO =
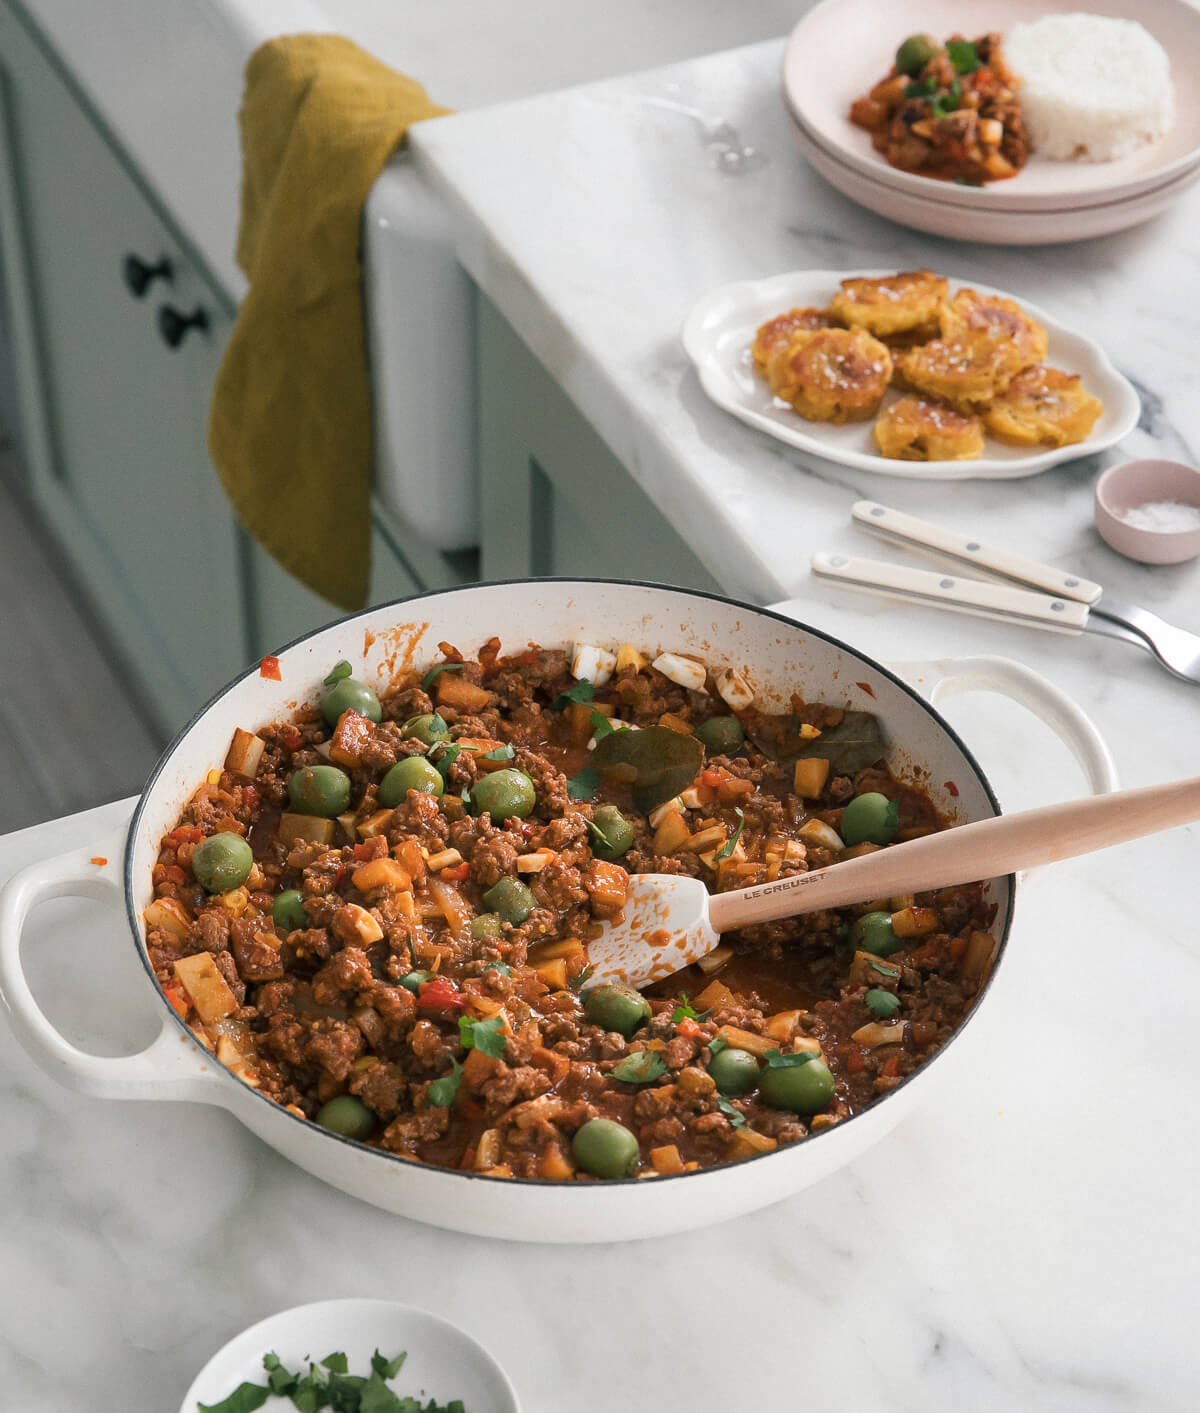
[(377, 913)]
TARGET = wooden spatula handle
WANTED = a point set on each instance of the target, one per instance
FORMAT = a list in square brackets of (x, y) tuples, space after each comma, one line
[(989, 848)]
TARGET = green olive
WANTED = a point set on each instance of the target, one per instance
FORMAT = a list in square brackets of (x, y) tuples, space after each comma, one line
[(605, 1149), (615, 1006), (426, 729), (915, 53), (505, 794), (348, 1116), (287, 911), (349, 695), (617, 831), (805, 1089), (222, 862), (869, 818), (720, 735), (411, 773), (735, 1071), (486, 925), (415, 980), (511, 899), (322, 790), (873, 933)]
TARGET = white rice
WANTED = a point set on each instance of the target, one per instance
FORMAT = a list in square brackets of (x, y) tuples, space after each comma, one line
[(1092, 88)]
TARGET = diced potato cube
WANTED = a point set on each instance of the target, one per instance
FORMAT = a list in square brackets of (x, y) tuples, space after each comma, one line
[(381, 873), (553, 973), (675, 723), (977, 959), (704, 839), (307, 827), (673, 806), (915, 922), (350, 738), (684, 671), (734, 690), (695, 797), (629, 659), (782, 1026), (478, 1068), (535, 862), (747, 1040), (245, 753), (820, 834), (404, 905), (444, 858), (666, 1159), (207, 989), (670, 834), (375, 824), (556, 1164), (347, 821), (716, 993), (170, 915), (715, 960), (560, 947), (746, 1142), (809, 776), (453, 691)]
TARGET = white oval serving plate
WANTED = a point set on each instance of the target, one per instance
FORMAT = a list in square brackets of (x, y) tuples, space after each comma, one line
[(842, 48), (720, 329), (442, 1363)]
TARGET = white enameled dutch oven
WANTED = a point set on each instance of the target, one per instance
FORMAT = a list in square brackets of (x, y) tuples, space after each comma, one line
[(777, 655)]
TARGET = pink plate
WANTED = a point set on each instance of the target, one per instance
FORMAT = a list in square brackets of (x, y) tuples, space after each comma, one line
[(843, 47), (990, 227)]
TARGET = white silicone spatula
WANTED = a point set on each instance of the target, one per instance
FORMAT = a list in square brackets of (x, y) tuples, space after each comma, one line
[(670, 922)]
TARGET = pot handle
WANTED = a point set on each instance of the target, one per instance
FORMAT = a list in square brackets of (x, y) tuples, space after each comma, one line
[(948, 677), (172, 1066)]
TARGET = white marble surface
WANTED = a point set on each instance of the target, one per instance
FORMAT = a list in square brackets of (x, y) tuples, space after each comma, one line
[(1027, 1242)]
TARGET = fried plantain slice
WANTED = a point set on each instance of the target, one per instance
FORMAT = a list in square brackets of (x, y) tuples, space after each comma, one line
[(886, 305), (970, 312), (966, 372), (1043, 406), (779, 331), (833, 375), (916, 429)]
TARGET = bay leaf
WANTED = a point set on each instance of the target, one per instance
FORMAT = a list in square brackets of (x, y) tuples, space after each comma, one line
[(853, 744), (658, 763)]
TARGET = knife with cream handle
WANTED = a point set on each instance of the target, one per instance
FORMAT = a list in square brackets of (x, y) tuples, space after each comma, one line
[(999, 601)]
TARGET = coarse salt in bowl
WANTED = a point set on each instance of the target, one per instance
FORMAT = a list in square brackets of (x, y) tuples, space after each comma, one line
[(1150, 511)]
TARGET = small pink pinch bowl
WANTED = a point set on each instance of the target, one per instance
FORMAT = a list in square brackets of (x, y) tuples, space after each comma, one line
[(1122, 488)]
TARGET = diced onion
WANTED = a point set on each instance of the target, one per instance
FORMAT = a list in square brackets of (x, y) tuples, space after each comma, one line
[(734, 690), (683, 671), (592, 664)]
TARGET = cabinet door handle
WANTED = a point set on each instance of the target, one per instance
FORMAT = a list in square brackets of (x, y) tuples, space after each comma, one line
[(174, 326), (139, 276)]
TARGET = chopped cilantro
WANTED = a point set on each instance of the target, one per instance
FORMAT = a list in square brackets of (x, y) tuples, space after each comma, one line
[(442, 1091), (963, 55), (447, 754), (716, 1045), (435, 672), (486, 1036), (244, 1399), (502, 967), (735, 1116), (584, 785), (642, 1067), (922, 88), (601, 726), (340, 670), (504, 752), (686, 1011), (882, 1004), (329, 1385), (729, 845), (883, 969), (945, 103), (387, 1368), (335, 1363), (581, 692), (465, 796), (777, 1061)]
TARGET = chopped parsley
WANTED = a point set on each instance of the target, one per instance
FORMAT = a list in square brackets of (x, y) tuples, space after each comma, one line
[(882, 1004), (729, 845), (945, 103), (735, 1116), (922, 88), (601, 726), (642, 1067), (686, 1011), (441, 1093), (447, 754), (435, 672), (582, 691), (883, 969), (329, 1384), (716, 1045), (504, 752), (486, 1036), (584, 785), (340, 670), (778, 1061)]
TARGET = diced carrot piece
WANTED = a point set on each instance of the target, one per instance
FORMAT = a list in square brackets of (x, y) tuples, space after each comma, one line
[(554, 973)]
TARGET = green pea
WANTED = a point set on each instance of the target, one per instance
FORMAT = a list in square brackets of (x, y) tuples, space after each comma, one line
[(735, 1071), (287, 911), (511, 899), (873, 933), (915, 53), (411, 773), (348, 1116), (617, 831), (222, 862), (805, 1089), (869, 819), (322, 790), (505, 794), (349, 695), (486, 925), (605, 1149), (415, 980), (720, 735), (426, 729), (615, 1006)]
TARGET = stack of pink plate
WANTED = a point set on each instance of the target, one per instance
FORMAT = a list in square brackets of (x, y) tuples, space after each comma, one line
[(842, 48)]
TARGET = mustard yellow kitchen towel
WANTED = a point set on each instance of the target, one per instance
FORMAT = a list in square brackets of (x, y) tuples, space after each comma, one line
[(290, 424)]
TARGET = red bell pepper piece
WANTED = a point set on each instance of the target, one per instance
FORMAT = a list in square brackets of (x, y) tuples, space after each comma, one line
[(440, 995), (269, 667)]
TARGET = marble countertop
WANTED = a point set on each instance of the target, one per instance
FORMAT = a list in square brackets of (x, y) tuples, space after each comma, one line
[(1023, 1242)]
